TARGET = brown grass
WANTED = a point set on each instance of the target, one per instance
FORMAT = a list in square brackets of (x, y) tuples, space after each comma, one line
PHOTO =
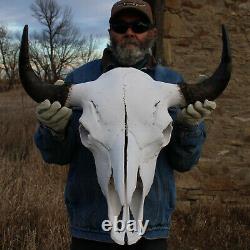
[(218, 228), (32, 212)]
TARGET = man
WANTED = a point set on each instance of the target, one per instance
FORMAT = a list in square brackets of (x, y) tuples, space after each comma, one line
[(132, 35)]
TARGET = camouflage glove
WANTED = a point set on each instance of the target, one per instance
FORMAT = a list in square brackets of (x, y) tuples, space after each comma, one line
[(54, 116), (193, 114)]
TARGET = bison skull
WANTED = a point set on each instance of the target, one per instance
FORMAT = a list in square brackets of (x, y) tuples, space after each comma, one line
[(125, 123)]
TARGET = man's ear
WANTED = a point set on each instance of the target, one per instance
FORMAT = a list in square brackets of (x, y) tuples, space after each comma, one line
[(155, 32)]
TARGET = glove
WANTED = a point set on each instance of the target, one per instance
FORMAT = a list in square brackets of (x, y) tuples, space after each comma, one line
[(59, 82), (193, 114), (54, 116)]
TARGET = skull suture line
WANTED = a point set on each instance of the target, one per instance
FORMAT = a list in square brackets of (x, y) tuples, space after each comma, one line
[(125, 123)]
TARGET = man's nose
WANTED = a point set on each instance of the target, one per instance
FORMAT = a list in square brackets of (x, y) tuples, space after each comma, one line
[(130, 32)]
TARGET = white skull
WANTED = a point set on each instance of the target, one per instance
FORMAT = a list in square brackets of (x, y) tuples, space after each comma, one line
[(125, 123)]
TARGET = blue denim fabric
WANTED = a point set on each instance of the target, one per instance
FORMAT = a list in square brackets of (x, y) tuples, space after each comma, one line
[(85, 202)]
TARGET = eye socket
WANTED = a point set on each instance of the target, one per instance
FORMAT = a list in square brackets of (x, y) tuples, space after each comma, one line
[(168, 129), (84, 133)]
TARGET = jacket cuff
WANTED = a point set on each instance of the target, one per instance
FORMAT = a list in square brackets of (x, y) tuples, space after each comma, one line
[(48, 132), (187, 129)]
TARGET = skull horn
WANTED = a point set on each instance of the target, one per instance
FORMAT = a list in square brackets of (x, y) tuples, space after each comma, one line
[(35, 88), (213, 86)]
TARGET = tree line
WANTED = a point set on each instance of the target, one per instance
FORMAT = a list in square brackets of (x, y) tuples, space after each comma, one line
[(54, 51)]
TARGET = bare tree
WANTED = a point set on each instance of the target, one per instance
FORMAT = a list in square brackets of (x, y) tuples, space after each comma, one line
[(89, 50), (9, 56), (60, 46), (39, 58)]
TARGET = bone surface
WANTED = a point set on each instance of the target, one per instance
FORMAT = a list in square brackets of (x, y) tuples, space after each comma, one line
[(125, 123)]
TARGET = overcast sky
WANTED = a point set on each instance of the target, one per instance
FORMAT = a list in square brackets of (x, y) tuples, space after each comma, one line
[(91, 16)]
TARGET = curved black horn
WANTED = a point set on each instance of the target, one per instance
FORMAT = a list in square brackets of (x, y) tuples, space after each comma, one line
[(37, 90), (213, 86)]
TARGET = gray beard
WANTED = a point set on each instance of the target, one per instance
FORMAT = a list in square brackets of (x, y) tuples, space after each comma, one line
[(130, 56)]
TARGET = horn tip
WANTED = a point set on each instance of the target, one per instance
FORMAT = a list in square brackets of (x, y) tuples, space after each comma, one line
[(25, 31), (226, 53), (26, 26), (24, 36), (224, 29)]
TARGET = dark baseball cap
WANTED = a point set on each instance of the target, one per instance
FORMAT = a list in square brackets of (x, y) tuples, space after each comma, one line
[(134, 5)]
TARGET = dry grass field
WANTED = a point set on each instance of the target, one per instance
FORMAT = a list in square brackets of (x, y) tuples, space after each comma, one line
[(32, 212), (32, 209)]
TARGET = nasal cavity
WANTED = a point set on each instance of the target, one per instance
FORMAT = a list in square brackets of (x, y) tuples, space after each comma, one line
[(136, 201)]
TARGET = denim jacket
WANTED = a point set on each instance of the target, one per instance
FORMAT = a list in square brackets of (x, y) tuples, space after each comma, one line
[(86, 204)]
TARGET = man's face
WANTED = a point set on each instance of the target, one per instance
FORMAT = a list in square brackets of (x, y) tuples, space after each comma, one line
[(131, 43)]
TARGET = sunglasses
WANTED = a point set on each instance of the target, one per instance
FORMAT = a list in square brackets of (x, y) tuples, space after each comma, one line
[(137, 27)]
